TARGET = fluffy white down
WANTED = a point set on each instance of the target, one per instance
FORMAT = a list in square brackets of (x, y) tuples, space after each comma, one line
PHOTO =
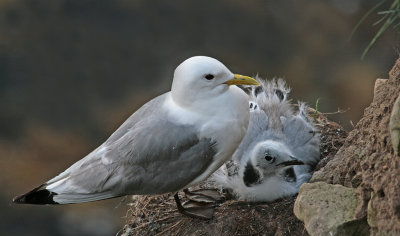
[(271, 189), (272, 121)]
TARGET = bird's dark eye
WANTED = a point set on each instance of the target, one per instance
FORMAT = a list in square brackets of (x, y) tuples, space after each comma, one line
[(269, 158), (209, 77)]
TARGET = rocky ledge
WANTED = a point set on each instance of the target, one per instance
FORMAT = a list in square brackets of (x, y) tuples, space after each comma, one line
[(358, 191)]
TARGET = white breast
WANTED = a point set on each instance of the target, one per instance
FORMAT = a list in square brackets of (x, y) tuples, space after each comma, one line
[(224, 119)]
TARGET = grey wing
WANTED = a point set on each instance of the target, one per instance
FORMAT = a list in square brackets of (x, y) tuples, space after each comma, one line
[(302, 137), (161, 157), (148, 154), (258, 124)]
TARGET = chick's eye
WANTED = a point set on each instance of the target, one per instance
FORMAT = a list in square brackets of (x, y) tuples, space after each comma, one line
[(209, 77), (269, 158)]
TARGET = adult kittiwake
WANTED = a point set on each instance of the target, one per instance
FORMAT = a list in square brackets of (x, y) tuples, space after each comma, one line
[(174, 141), (279, 151)]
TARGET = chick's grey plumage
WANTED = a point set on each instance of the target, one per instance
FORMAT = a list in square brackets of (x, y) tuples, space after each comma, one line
[(265, 114), (278, 152)]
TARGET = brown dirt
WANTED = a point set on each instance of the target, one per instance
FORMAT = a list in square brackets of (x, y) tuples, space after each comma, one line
[(157, 215), (367, 161)]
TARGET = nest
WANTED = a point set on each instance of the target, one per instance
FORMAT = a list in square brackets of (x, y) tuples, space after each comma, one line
[(158, 215)]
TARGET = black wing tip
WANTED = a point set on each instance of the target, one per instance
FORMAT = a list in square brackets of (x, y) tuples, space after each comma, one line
[(37, 196)]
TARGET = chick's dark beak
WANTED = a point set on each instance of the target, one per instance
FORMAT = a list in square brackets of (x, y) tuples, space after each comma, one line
[(290, 163)]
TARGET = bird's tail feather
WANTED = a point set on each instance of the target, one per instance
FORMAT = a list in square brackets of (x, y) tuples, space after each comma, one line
[(43, 196), (61, 190), (39, 196), (79, 198)]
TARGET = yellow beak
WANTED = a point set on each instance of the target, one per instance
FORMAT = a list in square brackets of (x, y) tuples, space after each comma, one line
[(242, 80)]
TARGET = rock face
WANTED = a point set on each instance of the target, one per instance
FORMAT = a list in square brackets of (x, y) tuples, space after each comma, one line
[(367, 161), (329, 209)]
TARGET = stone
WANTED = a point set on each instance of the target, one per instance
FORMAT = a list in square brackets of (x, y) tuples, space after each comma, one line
[(394, 126), (371, 212), (328, 209)]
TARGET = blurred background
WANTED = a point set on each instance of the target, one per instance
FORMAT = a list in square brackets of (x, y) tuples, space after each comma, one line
[(71, 71)]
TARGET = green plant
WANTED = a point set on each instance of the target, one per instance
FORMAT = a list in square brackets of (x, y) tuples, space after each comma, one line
[(388, 18), (316, 110)]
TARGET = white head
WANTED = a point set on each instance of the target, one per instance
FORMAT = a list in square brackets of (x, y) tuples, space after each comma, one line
[(201, 78), (270, 157)]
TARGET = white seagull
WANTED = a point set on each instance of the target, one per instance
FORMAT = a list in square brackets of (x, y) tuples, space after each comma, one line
[(174, 141), (279, 151)]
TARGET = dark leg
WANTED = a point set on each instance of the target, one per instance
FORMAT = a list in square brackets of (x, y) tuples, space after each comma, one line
[(194, 212), (204, 195)]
